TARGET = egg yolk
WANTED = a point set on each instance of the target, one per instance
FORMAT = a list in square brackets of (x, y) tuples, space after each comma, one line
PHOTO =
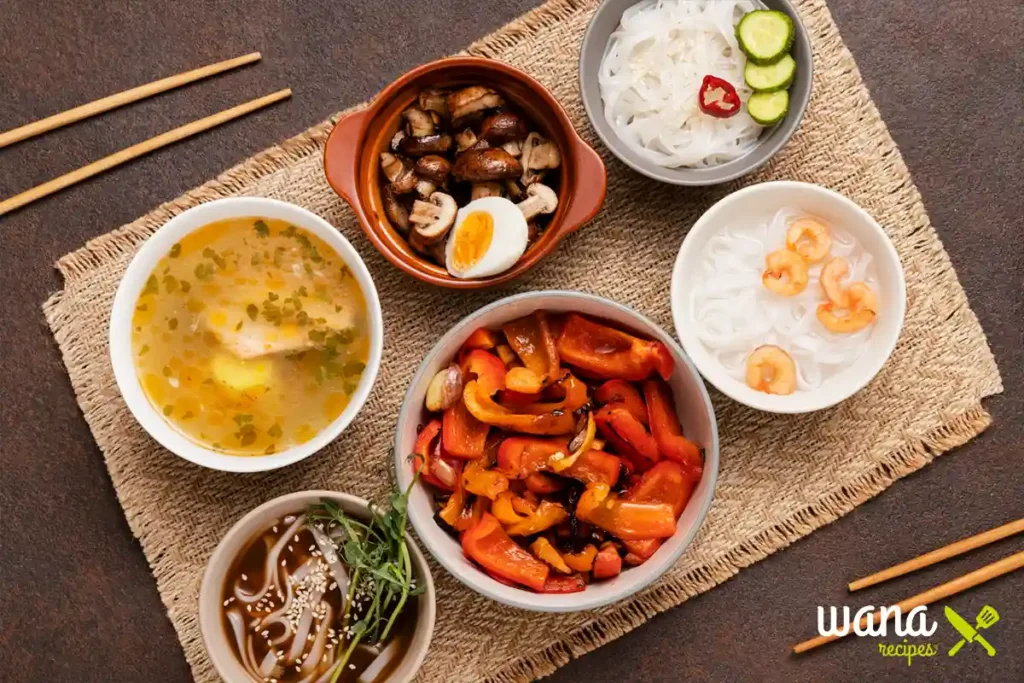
[(472, 239)]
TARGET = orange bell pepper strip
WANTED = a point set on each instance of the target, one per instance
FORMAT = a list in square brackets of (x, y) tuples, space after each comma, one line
[(608, 563), (486, 367), (463, 436), (622, 392), (547, 515), (558, 583), (622, 518), (543, 484), (507, 355), (504, 509), (545, 552), (583, 561), (481, 338), (531, 338), (609, 353), (638, 552), (666, 430), (596, 467), (471, 513), (482, 406), (435, 466), (520, 456), (523, 381), (453, 507), (483, 482), (667, 482), (487, 544), (627, 435)]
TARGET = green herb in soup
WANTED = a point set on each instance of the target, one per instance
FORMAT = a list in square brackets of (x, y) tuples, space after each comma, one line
[(250, 336)]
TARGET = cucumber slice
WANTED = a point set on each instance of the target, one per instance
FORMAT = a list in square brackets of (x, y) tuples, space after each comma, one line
[(765, 35), (768, 108), (771, 77)]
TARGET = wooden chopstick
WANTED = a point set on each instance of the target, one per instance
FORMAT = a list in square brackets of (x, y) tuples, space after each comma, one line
[(122, 98), (944, 553), (138, 150), (978, 576)]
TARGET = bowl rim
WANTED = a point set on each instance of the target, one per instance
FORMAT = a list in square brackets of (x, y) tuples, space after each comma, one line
[(211, 581), (705, 223), (579, 154), (141, 266), (612, 141), (477, 579)]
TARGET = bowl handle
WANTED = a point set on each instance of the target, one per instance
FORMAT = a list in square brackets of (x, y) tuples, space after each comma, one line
[(591, 185), (341, 155)]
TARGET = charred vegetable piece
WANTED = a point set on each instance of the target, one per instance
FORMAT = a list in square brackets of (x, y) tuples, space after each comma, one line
[(610, 353)]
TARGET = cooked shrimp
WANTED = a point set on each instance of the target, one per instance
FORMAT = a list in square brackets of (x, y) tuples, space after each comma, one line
[(831, 275), (786, 273), (810, 238), (771, 370), (860, 310)]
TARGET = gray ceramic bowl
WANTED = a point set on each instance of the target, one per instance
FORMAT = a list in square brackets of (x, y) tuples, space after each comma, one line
[(595, 42)]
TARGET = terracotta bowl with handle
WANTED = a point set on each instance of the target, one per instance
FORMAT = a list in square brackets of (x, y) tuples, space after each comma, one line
[(352, 166)]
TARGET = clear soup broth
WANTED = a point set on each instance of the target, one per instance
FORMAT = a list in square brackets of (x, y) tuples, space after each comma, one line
[(250, 336)]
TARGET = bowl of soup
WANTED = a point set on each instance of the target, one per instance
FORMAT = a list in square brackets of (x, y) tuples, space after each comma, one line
[(281, 598), (246, 334)]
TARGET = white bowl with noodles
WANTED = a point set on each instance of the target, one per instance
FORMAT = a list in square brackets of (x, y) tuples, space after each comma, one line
[(237, 543), (135, 278), (757, 204)]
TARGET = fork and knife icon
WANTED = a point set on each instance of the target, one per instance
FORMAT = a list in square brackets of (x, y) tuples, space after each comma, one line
[(986, 618)]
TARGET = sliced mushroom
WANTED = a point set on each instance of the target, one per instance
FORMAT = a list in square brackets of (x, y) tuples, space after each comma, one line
[(433, 219), (539, 154), (513, 147), (431, 250), (503, 127), (396, 212), (540, 199), (399, 171), (466, 139), (478, 165), (420, 122), (473, 99), (515, 192), (434, 168), (425, 188), (396, 139), (433, 99), (487, 189), (426, 144)]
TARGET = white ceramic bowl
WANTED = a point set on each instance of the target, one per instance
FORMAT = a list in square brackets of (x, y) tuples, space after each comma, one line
[(211, 624), (135, 278), (758, 203), (697, 418)]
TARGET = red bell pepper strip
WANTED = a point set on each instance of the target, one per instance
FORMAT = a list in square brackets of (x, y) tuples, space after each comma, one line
[(530, 337), (607, 564), (558, 583), (622, 392), (481, 338), (629, 437), (596, 467), (610, 353), (472, 513), (486, 367), (543, 484), (487, 544), (666, 482), (638, 552), (433, 464), (717, 97), (520, 456), (666, 430), (463, 436), (486, 410), (622, 518), (546, 515), (483, 482)]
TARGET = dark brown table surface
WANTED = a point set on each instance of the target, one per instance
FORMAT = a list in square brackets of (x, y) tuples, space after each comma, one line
[(77, 602)]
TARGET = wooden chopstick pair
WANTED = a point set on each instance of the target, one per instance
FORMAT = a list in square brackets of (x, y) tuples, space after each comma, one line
[(126, 97), (977, 577)]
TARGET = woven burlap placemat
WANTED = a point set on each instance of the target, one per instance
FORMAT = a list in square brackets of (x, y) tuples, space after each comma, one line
[(781, 477)]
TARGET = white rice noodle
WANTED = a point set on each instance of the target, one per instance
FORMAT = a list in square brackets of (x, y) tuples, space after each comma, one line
[(372, 672), (651, 74), (270, 567), (734, 313)]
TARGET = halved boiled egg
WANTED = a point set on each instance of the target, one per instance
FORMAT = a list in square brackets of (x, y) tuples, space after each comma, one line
[(489, 236)]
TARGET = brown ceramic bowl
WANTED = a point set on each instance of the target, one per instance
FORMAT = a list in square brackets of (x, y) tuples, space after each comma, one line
[(351, 161)]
